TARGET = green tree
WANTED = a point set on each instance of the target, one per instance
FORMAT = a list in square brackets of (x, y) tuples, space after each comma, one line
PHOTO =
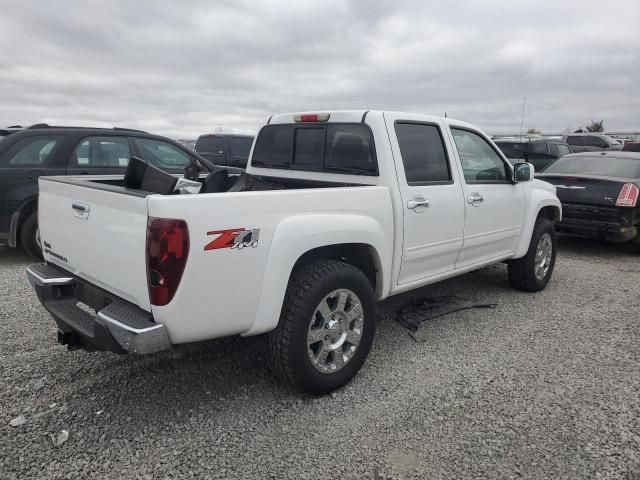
[(595, 127), (579, 130), (534, 131)]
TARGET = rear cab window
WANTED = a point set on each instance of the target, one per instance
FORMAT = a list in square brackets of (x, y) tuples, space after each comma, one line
[(31, 151), (332, 148)]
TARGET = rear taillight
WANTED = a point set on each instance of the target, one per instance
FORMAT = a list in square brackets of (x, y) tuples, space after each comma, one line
[(628, 196), (167, 252)]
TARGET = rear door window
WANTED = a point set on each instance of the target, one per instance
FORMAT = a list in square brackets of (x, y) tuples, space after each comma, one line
[(539, 148), (240, 148), (423, 153), (594, 141), (97, 152), (162, 154), (574, 140), (336, 147), (31, 151)]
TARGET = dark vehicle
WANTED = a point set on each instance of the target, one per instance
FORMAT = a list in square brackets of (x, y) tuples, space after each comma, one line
[(189, 144), (225, 149), (631, 147), (5, 132), (599, 194), (591, 142), (42, 150), (540, 153)]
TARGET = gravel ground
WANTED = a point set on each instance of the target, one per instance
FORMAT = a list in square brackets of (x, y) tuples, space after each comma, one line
[(544, 386)]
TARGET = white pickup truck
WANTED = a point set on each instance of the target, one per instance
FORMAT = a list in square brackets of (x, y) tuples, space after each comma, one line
[(336, 211)]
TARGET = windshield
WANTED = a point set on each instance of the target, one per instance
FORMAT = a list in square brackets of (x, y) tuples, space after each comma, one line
[(600, 165)]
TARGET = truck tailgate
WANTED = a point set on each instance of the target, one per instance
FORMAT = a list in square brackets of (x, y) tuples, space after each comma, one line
[(97, 234)]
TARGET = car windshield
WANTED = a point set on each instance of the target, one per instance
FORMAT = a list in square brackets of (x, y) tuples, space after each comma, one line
[(597, 165)]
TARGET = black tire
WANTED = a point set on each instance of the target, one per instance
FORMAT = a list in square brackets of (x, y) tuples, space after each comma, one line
[(522, 271), (29, 236), (287, 349)]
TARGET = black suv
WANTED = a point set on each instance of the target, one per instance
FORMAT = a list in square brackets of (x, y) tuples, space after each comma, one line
[(539, 152), (225, 148), (591, 142), (42, 150), (5, 132)]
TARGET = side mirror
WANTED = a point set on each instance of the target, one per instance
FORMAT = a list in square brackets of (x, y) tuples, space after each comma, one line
[(522, 172)]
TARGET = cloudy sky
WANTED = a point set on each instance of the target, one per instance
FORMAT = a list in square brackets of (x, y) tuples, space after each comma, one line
[(183, 68)]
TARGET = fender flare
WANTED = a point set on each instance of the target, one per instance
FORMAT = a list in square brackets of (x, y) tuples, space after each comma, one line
[(297, 235), (539, 200)]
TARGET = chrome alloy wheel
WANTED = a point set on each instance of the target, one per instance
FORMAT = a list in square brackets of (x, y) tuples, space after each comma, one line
[(544, 252), (335, 331)]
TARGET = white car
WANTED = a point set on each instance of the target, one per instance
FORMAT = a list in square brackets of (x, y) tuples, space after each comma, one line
[(336, 211)]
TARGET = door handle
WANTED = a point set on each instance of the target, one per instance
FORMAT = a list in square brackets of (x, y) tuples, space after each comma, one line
[(81, 210), (417, 202), (474, 199)]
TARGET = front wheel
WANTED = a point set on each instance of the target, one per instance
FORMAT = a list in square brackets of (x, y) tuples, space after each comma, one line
[(326, 327), (532, 272)]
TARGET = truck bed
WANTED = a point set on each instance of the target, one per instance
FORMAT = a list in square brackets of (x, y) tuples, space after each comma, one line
[(106, 244)]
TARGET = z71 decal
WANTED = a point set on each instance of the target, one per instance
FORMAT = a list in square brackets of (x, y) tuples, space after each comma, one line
[(237, 238)]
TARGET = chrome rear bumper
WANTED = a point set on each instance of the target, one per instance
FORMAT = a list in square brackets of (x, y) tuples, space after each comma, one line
[(91, 318)]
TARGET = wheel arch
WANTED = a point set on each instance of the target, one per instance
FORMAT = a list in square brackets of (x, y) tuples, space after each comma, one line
[(549, 208), (354, 239)]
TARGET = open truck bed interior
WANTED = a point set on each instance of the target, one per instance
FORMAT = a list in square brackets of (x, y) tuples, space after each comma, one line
[(217, 182)]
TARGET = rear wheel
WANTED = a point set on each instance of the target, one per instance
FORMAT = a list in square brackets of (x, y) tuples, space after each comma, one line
[(326, 327), (532, 272), (30, 237)]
